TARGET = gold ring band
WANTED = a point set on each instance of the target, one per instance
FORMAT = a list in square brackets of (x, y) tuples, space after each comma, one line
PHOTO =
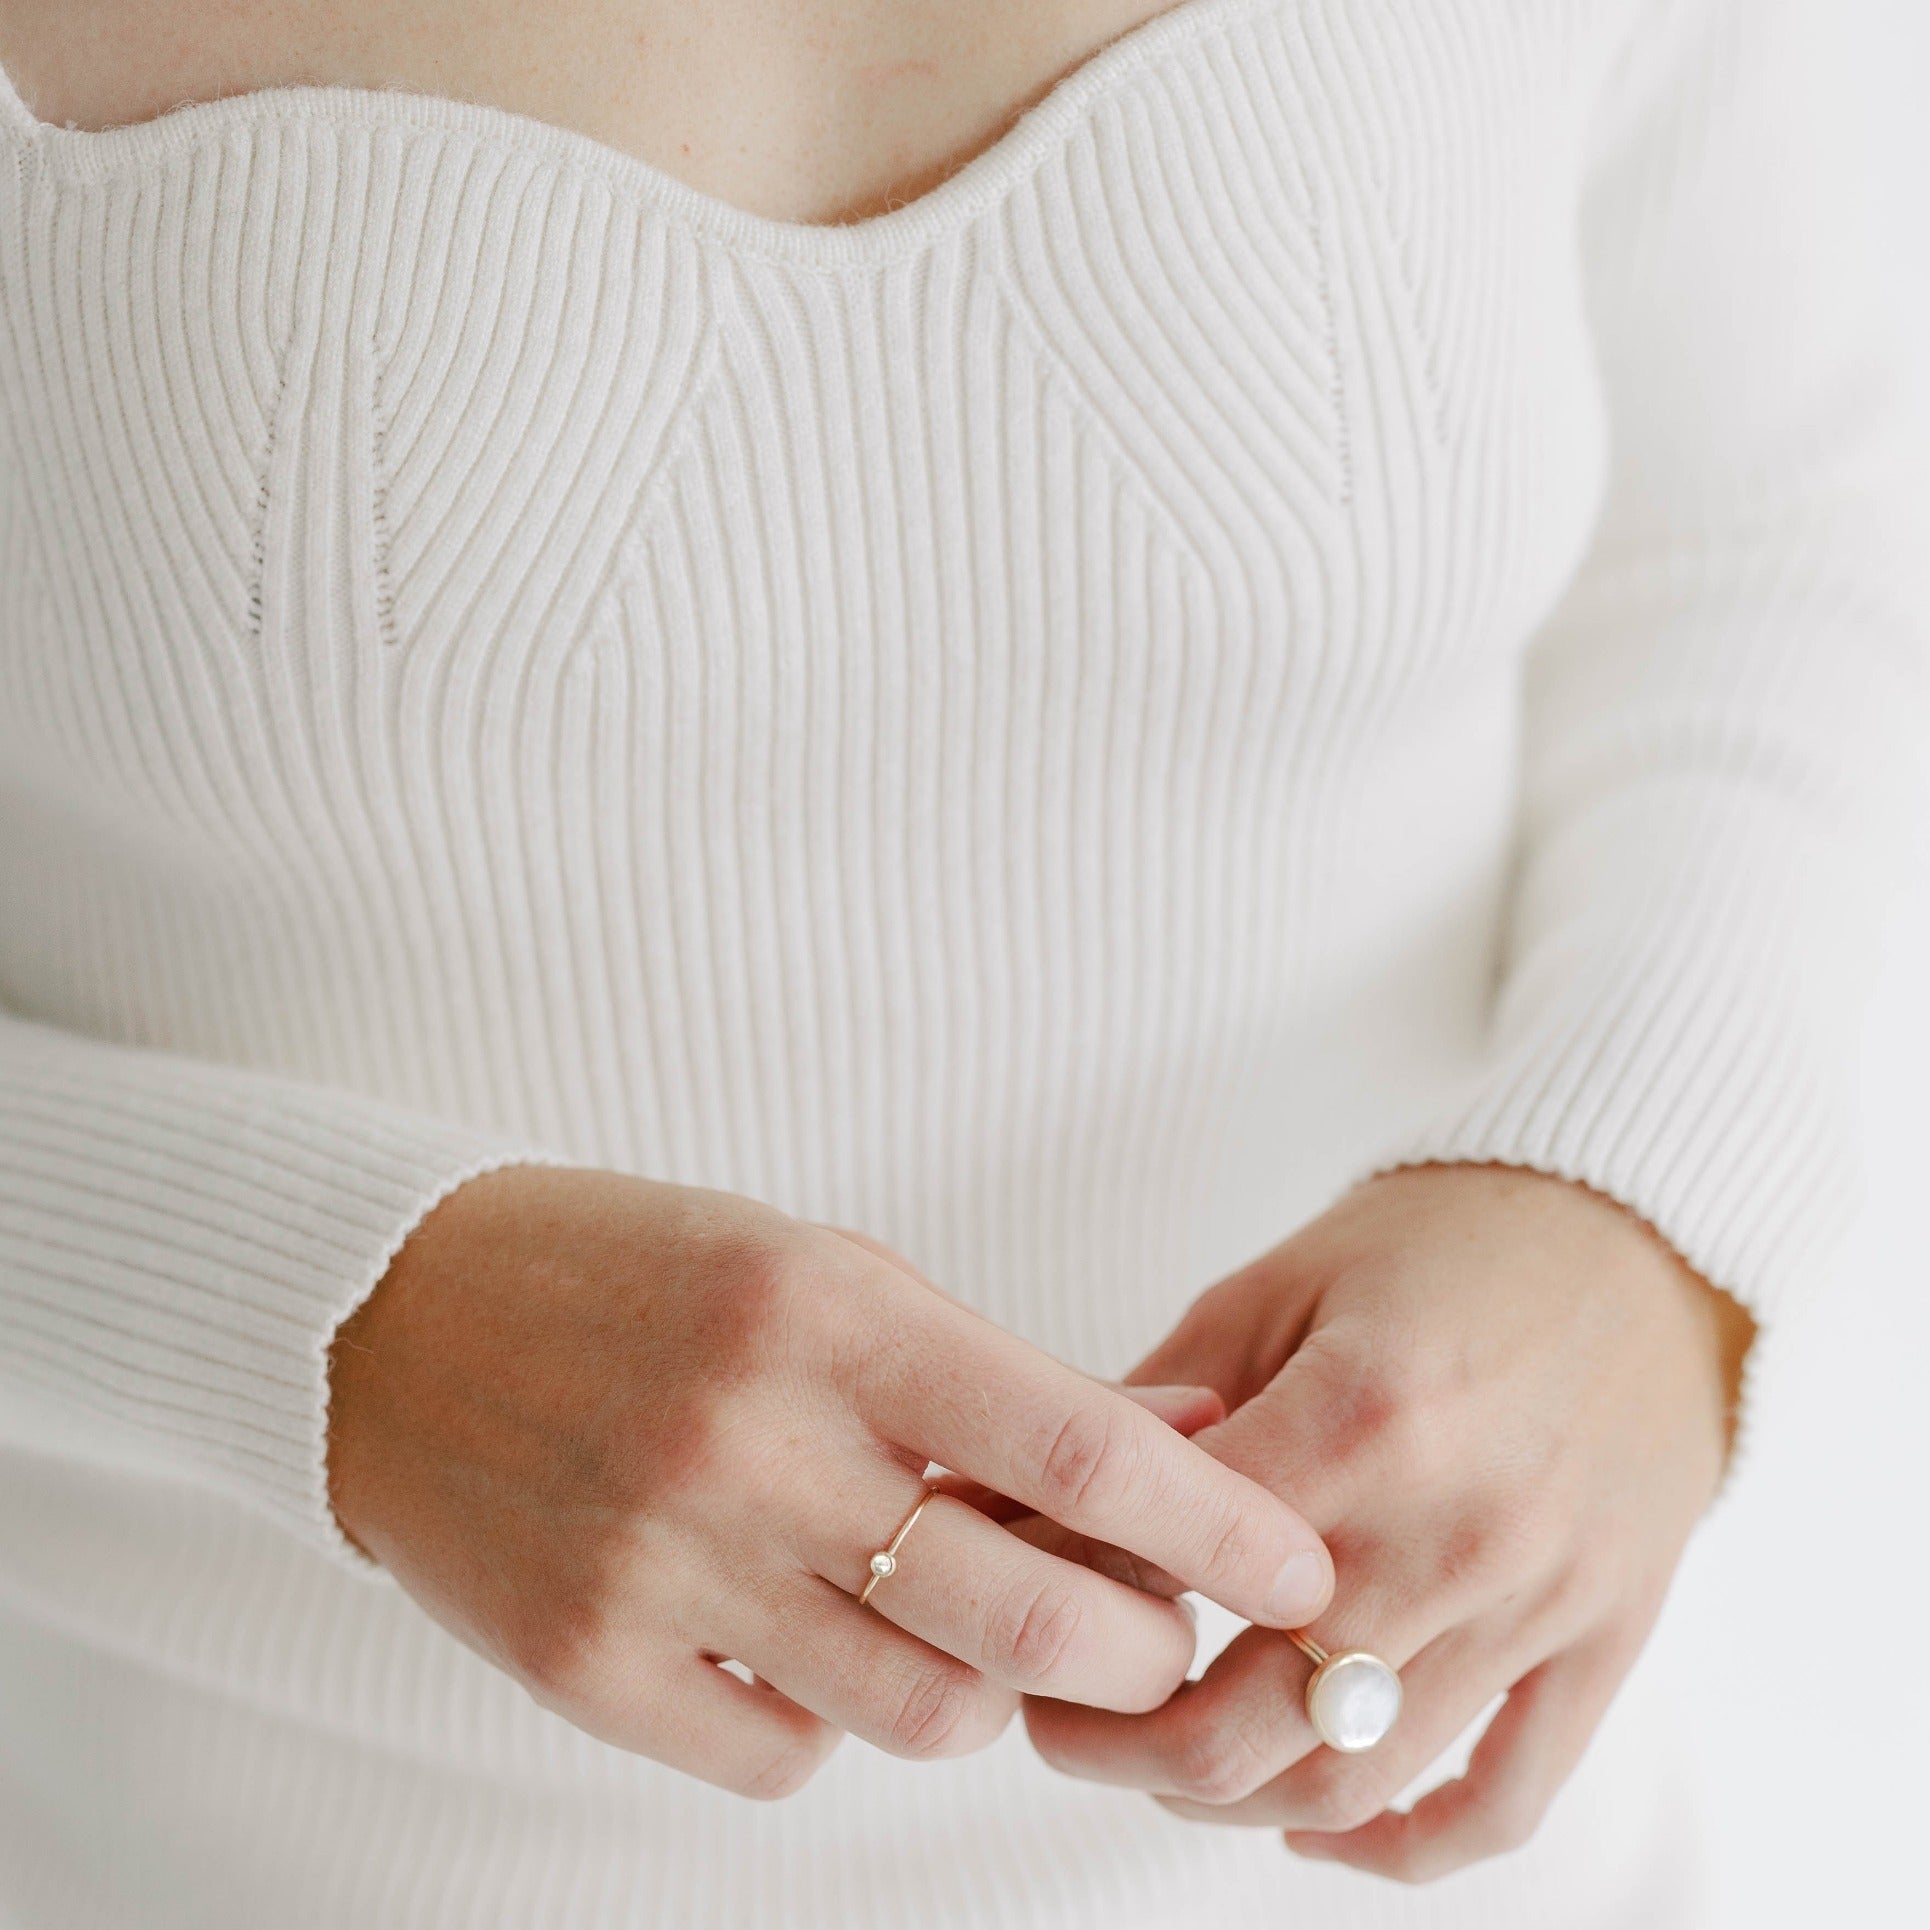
[(885, 1562)]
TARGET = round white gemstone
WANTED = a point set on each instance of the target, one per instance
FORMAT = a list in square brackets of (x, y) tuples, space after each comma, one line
[(1353, 1700), (882, 1564)]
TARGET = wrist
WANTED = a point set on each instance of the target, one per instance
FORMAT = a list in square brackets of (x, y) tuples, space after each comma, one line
[(1734, 1334), (1722, 1330), (1723, 1326), (371, 1351)]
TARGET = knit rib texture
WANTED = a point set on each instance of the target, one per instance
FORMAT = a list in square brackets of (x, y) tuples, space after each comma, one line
[(1348, 594)]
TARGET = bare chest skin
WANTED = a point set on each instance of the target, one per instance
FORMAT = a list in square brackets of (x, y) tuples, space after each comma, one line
[(813, 111)]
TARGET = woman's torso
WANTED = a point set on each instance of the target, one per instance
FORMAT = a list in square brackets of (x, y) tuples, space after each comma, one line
[(993, 724)]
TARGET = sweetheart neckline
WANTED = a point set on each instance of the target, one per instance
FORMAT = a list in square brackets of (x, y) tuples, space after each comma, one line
[(92, 154)]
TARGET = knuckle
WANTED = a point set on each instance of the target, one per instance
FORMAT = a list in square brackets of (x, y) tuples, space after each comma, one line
[(1089, 1462), (1385, 1410), (747, 1287), (1412, 1434), (1034, 1628), (1220, 1763), (1568, 1601), (782, 1774), (1338, 1803), (559, 1653), (932, 1717), (1506, 1823), (1414, 1867), (1355, 1405), (1531, 1513), (1229, 1549), (1215, 1780), (1500, 1540), (758, 1282), (663, 1459), (764, 1306), (670, 1472)]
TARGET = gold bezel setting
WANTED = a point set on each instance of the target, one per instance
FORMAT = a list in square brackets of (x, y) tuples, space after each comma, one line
[(1326, 1665)]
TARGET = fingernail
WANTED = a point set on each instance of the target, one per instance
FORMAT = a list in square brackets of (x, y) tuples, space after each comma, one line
[(1299, 1591)]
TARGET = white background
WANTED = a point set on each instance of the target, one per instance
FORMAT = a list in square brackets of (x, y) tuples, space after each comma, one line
[(1799, 1628)]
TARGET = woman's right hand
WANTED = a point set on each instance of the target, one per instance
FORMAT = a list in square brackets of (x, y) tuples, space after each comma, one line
[(610, 1432)]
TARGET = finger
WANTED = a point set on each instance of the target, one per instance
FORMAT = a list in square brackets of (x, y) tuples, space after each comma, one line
[(1234, 1337), (703, 1720), (1184, 1409), (1021, 1618), (981, 1402), (1215, 1740), (1524, 1756), (812, 1641), (1444, 1688), (1244, 1722), (1102, 1557)]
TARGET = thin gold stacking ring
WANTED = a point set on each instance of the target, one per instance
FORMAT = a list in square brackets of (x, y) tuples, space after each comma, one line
[(885, 1562)]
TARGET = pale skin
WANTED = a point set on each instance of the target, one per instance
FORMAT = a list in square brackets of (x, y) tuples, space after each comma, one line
[(1505, 1403), (609, 1432), (806, 111)]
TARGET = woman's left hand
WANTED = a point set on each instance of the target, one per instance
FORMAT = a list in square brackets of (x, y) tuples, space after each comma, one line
[(1504, 1403)]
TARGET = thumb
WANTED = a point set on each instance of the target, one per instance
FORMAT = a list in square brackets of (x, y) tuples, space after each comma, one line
[(1291, 1434), (1236, 1336)]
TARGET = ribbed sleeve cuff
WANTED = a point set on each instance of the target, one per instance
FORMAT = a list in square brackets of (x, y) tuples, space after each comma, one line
[(179, 1242)]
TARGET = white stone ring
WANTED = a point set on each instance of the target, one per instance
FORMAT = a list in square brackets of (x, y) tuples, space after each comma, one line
[(885, 1562), (1353, 1697)]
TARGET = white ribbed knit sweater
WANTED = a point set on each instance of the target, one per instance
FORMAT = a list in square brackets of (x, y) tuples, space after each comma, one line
[(1343, 594)]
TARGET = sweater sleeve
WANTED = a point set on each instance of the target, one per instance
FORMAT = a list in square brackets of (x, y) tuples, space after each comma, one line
[(1723, 719), (178, 1242)]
